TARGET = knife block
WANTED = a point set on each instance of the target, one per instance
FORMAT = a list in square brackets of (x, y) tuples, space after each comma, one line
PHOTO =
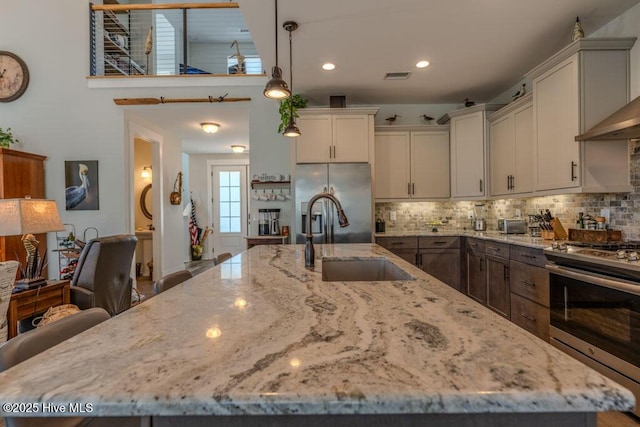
[(559, 233)]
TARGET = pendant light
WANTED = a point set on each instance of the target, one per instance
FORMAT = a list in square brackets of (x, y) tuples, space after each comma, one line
[(276, 88), (291, 130)]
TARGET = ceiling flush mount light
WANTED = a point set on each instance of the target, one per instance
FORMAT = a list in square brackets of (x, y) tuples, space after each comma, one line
[(238, 148), (291, 130), (210, 127), (328, 66), (146, 172), (422, 64), (276, 88)]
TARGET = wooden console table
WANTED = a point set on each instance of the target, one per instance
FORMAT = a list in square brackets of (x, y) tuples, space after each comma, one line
[(266, 240), (36, 301)]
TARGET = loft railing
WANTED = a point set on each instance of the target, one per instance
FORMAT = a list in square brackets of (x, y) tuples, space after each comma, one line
[(170, 39)]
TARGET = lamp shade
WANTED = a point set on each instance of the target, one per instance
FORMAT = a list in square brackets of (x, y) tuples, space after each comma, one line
[(292, 130), (276, 87), (28, 216)]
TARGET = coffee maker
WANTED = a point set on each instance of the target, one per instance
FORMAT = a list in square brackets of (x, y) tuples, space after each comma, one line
[(268, 222), (274, 221), (263, 222)]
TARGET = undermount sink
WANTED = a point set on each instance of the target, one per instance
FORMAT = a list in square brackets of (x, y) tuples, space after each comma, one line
[(361, 270)]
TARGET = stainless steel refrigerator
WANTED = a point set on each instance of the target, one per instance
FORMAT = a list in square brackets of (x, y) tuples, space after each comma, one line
[(351, 185)]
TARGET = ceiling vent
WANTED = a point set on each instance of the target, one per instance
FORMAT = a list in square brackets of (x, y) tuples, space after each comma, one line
[(397, 76)]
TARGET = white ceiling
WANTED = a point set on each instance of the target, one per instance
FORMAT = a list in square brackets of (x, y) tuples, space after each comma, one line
[(477, 49)]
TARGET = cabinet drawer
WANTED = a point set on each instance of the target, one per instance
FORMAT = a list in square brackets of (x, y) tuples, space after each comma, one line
[(530, 316), (475, 245), (444, 242), (530, 282), (497, 249), (398, 242), (527, 255)]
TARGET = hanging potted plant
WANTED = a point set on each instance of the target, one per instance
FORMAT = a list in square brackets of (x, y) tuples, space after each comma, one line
[(7, 138), (289, 106)]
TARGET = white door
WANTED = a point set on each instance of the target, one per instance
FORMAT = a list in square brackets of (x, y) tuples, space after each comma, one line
[(229, 199)]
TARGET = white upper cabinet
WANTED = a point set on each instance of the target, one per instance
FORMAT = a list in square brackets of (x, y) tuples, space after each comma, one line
[(412, 164), (572, 91), (511, 148), (342, 135), (468, 127)]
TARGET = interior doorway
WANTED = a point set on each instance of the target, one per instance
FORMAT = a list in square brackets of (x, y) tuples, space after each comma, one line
[(229, 200)]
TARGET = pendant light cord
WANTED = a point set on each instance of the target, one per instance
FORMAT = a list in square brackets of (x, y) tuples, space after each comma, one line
[(290, 63), (276, 30), (291, 78)]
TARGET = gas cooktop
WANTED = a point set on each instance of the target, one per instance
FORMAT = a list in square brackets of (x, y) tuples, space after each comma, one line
[(619, 259)]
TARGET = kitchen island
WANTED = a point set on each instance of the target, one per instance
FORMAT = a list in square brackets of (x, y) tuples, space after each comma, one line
[(260, 339)]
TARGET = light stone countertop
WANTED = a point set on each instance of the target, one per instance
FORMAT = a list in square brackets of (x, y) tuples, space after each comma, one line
[(516, 239), (260, 334)]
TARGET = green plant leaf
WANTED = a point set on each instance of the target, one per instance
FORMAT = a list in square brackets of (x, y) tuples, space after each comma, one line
[(287, 106)]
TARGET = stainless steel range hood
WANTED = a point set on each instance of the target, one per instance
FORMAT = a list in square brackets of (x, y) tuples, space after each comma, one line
[(623, 124)]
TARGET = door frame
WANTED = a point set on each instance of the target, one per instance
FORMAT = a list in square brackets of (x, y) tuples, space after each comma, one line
[(136, 131), (211, 163)]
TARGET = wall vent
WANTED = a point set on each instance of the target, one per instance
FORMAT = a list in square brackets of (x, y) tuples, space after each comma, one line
[(397, 76)]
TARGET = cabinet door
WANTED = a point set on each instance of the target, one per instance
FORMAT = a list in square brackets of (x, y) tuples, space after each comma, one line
[(556, 124), (430, 162), (314, 143), (476, 277), (501, 150), (409, 255), (467, 155), (443, 264), (350, 138), (498, 294), (392, 165), (523, 150)]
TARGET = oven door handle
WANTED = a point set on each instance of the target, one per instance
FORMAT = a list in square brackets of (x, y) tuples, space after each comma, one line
[(595, 279)]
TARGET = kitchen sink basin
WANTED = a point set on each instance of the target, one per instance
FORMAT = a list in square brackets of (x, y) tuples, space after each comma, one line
[(361, 270)]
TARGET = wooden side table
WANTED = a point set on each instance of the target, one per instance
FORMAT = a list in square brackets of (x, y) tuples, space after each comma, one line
[(36, 301)]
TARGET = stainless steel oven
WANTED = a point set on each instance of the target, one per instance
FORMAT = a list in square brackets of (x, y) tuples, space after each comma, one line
[(595, 311)]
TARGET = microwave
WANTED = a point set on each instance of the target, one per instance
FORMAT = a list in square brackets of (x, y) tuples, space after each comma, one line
[(512, 226)]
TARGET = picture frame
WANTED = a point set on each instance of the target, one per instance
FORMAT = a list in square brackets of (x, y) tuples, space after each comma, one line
[(81, 185)]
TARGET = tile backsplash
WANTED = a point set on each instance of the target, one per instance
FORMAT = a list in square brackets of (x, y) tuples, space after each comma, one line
[(624, 208)]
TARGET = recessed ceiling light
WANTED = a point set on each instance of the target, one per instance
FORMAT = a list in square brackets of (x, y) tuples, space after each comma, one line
[(422, 64), (328, 66)]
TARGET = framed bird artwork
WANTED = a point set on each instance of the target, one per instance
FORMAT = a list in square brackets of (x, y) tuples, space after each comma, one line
[(81, 185)]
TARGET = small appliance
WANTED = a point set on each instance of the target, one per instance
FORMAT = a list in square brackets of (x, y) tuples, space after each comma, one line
[(512, 226)]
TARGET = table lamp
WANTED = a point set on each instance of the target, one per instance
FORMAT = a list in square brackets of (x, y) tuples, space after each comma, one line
[(27, 217)]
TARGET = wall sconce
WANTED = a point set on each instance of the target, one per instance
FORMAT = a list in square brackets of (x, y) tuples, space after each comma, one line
[(238, 148), (146, 172), (210, 127)]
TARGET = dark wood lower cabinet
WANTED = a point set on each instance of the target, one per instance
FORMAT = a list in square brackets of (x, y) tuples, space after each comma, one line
[(477, 277), (498, 292), (443, 264), (507, 278)]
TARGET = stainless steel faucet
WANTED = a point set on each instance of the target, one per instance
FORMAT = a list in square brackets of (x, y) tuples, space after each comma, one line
[(309, 252)]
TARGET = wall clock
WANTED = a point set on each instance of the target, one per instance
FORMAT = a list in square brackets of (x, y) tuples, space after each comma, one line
[(14, 76)]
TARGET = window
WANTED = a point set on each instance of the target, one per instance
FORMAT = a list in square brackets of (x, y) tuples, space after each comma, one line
[(229, 201)]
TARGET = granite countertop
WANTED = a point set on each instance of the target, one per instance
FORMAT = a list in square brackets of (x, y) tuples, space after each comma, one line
[(260, 334), (516, 239)]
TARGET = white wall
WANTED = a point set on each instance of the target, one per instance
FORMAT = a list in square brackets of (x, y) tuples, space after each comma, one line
[(626, 25)]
